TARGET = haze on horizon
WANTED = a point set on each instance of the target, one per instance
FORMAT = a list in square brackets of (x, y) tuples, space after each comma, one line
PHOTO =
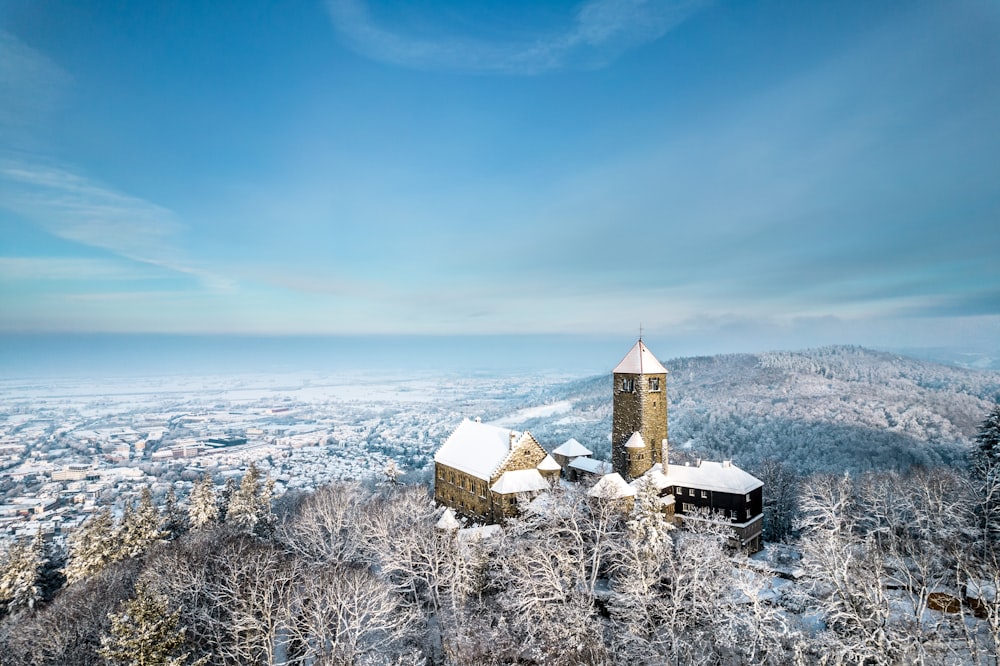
[(729, 175)]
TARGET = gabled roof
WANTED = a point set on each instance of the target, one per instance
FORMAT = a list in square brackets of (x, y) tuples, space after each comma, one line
[(721, 477), (612, 486), (571, 448), (549, 464), (520, 481), (635, 442), (478, 448), (448, 521), (591, 465), (640, 361)]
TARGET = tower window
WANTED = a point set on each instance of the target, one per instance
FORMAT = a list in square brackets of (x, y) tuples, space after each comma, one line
[(628, 384), (654, 383)]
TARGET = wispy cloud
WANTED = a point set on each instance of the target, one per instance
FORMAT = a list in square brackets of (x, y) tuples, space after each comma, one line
[(30, 85), (73, 207), (598, 32), (68, 269)]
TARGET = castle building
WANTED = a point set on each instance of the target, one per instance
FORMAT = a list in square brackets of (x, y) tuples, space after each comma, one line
[(719, 492), (483, 471)]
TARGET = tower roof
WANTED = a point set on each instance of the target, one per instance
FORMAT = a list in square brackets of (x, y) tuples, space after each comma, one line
[(640, 361)]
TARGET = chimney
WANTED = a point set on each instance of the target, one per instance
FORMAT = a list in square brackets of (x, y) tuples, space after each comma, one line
[(698, 463), (727, 463), (479, 419)]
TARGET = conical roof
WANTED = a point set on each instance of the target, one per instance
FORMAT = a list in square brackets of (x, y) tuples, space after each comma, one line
[(640, 361)]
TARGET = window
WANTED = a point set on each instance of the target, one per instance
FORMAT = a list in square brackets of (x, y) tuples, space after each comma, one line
[(685, 507), (680, 491), (690, 492), (733, 514), (654, 383), (748, 498), (628, 384), (704, 494)]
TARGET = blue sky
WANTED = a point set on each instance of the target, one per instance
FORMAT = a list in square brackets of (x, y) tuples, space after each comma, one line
[(763, 175)]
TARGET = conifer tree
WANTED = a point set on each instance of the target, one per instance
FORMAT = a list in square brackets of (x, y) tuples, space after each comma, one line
[(141, 527), (225, 498), (250, 506), (145, 634), (988, 439), (174, 518), (20, 578), (92, 547), (203, 506), (986, 475)]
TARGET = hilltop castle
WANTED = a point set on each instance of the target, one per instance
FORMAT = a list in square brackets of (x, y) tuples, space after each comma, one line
[(482, 471)]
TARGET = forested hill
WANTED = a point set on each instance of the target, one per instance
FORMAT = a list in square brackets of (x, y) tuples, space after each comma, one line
[(832, 409)]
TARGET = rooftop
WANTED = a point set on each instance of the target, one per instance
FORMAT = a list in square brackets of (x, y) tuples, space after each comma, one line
[(478, 448), (640, 361), (723, 477)]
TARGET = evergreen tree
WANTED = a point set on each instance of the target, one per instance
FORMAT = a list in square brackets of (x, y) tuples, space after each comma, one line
[(203, 506), (20, 578), (225, 498), (92, 547), (986, 476), (988, 439), (141, 527), (145, 634), (174, 519), (250, 506)]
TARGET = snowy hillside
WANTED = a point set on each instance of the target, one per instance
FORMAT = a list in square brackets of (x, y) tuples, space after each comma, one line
[(830, 410)]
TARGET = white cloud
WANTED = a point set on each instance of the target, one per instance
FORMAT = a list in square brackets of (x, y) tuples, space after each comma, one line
[(30, 84), (67, 268), (600, 31), (72, 207)]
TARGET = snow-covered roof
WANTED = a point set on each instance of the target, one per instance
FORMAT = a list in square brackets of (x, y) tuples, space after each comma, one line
[(549, 464), (657, 477), (723, 477), (640, 361), (478, 448), (635, 442), (480, 533), (612, 486), (571, 448), (448, 521), (591, 465), (520, 481)]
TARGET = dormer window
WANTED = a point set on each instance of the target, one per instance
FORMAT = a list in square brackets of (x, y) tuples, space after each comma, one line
[(654, 383), (628, 384)]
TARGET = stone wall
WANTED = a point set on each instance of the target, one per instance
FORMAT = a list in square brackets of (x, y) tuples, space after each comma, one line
[(642, 409)]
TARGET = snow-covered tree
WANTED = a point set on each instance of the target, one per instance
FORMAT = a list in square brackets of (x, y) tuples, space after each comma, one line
[(225, 497), (20, 577), (203, 506), (144, 633), (141, 527), (988, 438), (392, 472), (986, 478), (250, 506), (92, 547), (175, 521)]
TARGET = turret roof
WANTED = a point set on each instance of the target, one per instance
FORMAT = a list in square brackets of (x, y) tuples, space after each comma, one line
[(640, 361), (571, 448)]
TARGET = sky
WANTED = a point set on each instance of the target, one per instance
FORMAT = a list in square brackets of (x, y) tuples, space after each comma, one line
[(728, 175)]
